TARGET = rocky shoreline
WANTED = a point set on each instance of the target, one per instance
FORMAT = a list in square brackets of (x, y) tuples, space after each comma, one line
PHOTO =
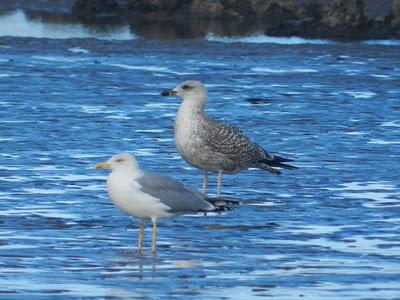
[(338, 19)]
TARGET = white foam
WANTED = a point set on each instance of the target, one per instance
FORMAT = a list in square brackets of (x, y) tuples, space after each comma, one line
[(84, 155), (362, 186), (382, 42), (44, 191), (76, 177), (74, 289), (57, 58), (157, 105), (381, 76), (355, 133), (44, 212), (278, 85), (266, 203), (378, 196), (9, 168), (79, 50), (45, 168), (17, 24), (14, 121), (317, 229), (96, 109), (140, 68), (149, 130), (209, 63), (144, 152), (14, 179), (361, 95), (381, 194), (264, 39), (391, 124), (119, 117), (282, 71), (382, 142)]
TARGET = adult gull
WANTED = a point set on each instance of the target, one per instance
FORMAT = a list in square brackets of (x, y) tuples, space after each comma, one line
[(212, 145), (150, 196)]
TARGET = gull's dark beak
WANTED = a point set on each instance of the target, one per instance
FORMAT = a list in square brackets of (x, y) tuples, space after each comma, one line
[(169, 92)]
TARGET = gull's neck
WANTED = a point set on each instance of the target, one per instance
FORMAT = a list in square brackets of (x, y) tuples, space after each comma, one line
[(128, 172), (193, 106)]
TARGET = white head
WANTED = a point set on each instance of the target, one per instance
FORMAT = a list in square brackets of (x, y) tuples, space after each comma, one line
[(119, 162), (190, 90)]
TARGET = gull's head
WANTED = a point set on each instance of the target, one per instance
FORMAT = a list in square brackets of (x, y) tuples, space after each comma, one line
[(190, 89), (120, 161)]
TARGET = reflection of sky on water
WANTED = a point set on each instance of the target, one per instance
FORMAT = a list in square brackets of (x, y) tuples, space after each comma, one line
[(327, 230)]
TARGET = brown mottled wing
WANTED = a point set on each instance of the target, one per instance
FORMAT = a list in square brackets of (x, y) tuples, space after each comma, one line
[(231, 141)]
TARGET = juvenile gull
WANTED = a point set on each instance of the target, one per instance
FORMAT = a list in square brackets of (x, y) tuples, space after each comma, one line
[(150, 196), (214, 146)]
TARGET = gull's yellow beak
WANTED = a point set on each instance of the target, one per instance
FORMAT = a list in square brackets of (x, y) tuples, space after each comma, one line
[(103, 165)]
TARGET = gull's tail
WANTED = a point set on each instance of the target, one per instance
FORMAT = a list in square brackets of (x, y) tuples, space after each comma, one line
[(277, 162)]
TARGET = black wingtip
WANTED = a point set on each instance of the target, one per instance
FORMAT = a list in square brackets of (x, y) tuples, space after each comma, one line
[(285, 166), (278, 158), (223, 204), (279, 162)]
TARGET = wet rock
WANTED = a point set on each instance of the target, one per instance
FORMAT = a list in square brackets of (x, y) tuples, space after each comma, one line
[(349, 19), (346, 19), (343, 14), (89, 8), (307, 18), (152, 6), (395, 18), (206, 8)]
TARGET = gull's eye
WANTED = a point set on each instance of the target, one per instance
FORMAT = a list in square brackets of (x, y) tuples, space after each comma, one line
[(119, 160), (186, 87)]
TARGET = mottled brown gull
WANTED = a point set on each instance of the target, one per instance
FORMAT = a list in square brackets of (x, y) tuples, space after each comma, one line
[(151, 196), (214, 146)]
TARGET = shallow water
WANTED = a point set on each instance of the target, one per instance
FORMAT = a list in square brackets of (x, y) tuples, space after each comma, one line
[(327, 230)]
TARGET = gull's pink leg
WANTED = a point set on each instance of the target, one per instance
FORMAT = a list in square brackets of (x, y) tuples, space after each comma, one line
[(154, 238), (205, 179), (141, 230), (219, 184)]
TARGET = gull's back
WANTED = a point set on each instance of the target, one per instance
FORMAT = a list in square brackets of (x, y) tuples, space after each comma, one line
[(173, 194)]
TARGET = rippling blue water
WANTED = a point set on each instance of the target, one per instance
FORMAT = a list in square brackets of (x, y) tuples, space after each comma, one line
[(329, 229)]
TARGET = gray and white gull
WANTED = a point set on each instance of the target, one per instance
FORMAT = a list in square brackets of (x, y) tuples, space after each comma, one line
[(212, 145), (151, 196)]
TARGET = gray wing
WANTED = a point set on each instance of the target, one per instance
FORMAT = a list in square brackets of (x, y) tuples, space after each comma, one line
[(232, 142), (173, 193)]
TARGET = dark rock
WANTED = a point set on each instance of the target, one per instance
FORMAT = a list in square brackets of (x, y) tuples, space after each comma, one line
[(90, 8), (234, 8), (152, 6), (206, 8), (343, 19), (343, 14), (349, 19), (395, 18)]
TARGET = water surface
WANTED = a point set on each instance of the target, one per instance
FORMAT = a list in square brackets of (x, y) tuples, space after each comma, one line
[(327, 230)]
